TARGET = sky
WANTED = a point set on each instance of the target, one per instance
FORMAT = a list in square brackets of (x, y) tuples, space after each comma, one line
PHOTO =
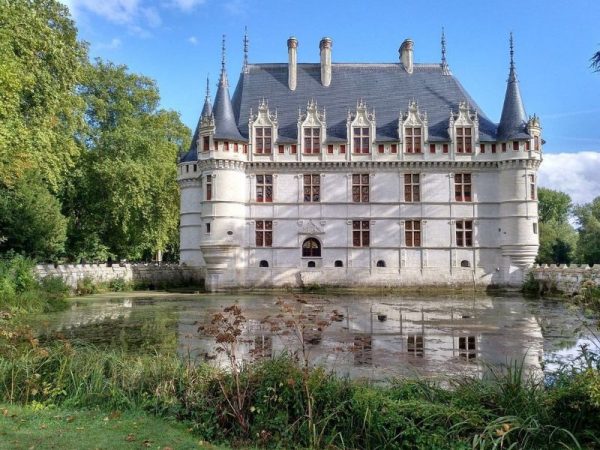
[(178, 43)]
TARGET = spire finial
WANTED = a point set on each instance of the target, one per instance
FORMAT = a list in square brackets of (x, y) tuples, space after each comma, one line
[(223, 81), (245, 49), (512, 52), (443, 47), (207, 86)]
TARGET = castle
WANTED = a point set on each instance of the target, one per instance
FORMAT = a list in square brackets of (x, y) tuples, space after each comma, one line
[(358, 174)]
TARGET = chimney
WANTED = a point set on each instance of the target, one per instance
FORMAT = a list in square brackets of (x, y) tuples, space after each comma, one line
[(406, 55), (292, 44), (325, 47)]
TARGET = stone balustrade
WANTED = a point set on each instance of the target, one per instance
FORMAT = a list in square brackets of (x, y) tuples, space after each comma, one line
[(566, 278)]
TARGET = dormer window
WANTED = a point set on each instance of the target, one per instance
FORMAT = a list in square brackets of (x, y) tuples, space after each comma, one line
[(263, 140), (264, 129), (362, 141), (464, 142), (413, 137), (312, 140), (412, 129)]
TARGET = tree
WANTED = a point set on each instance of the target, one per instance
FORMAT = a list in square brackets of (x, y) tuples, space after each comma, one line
[(40, 62), (31, 221), (558, 239), (588, 218), (123, 199)]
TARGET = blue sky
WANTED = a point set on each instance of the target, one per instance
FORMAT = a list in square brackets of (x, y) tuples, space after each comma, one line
[(177, 42)]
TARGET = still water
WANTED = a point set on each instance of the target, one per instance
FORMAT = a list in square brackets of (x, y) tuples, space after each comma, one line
[(375, 337)]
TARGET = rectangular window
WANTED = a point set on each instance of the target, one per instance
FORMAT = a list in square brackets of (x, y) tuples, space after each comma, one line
[(330, 149), (464, 233), (312, 188), (516, 146), (413, 139), (206, 143), (264, 233), (294, 149), (187, 169), (226, 146), (414, 345), (527, 145), (394, 148), (532, 193), (209, 187), (431, 148), (236, 148), (535, 228), (343, 148), (412, 233), (462, 187), (264, 188), (445, 148), (412, 191), (263, 140), (195, 167), (361, 140), (463, 140), (312, 141), (481, 148), (504, 146), (281, 149), (493, 148), (245, 148), (360, 233), (536, 143), (208, 228), (381, 148), (466, 347), (360, 188)]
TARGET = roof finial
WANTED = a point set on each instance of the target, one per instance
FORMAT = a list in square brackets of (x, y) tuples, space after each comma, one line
[(207, 86), (444, 64), (245, 68), (512, 52), (223, 80)]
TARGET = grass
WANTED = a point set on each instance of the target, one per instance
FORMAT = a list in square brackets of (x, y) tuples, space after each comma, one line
[(26, 427)]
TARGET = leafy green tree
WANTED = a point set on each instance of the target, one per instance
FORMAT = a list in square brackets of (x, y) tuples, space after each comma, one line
[(31, 221), (40, 62), (123, 199), (558, 239), (588, 217)]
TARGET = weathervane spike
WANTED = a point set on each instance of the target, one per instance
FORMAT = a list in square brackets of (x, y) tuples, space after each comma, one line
[(245, 49), (207, 86), (223, 55), (443, 47), (512, 52)]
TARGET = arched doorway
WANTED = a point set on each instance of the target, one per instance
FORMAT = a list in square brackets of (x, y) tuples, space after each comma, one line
[(311, 248)]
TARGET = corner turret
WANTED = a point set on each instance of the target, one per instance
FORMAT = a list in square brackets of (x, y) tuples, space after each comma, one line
[(513, 120)]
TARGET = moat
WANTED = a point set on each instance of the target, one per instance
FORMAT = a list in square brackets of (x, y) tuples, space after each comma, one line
[(373, 337)]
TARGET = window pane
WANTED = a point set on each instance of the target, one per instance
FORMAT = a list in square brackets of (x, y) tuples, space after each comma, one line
[(365, 224), (365, 238)]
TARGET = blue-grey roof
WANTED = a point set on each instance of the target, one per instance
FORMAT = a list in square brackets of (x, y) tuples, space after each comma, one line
[(386, 88), (513, 120), (225, 125)]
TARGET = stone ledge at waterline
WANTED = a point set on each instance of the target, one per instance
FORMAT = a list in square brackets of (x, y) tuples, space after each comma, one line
[(564, 278), (146, 274)]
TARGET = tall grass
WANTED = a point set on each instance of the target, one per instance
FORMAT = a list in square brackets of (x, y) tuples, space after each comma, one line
[(507, 410), (20, 291)]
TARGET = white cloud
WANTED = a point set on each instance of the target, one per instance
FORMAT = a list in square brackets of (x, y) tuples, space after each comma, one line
[(114, 44), (117, 11), (577, 174), (193, 40), (186, 5), (235, 7)]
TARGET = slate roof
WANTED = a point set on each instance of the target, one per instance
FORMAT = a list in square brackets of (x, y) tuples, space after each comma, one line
[(513, 120), (385, 88)]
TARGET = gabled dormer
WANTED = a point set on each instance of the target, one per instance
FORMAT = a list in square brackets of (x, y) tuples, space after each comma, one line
[(361, 128), (262, 129), (312, 129), (413, 130), (463, 129)]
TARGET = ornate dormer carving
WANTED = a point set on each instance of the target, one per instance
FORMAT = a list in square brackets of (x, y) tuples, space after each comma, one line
[(361, 128), (413, 130), (312, 128), (263, 128), (534, 129), (463, 129)]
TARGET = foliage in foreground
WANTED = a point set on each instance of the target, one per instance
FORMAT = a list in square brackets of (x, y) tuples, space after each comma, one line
[(20, 291), (504, 410)]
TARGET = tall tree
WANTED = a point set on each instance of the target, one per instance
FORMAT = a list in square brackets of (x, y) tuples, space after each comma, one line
[(40, 61), (588, 217), (123, 200), (558, 239)]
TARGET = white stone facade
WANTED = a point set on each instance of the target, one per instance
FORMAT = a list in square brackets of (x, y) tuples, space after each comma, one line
[(473, 221)]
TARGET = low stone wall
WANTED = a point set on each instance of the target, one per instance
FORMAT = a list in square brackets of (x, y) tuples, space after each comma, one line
[(566, 278), (148, 274)]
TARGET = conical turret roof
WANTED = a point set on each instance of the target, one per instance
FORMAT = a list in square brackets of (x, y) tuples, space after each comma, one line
[(513, 120)]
